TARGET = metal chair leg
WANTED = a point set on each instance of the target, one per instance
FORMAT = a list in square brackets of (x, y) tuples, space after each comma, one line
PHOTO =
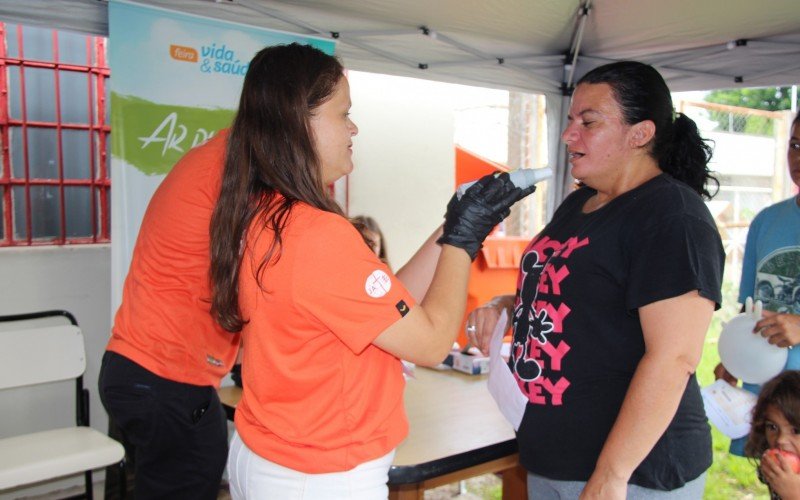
[(123, 480), (87, 477)]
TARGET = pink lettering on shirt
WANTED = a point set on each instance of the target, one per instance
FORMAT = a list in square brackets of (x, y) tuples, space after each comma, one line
[(556, 390), (552, 277), (534, 392), (536, 360), (544, 246), (556, 315), (556, 353), (539, 391), (571, 245)]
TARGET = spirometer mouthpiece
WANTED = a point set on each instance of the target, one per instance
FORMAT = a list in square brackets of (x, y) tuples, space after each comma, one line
[(522, 178)]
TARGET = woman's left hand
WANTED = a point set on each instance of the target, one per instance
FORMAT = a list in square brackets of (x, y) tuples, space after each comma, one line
[(482, 321), (781, 478), (604, 488), (780, 329)]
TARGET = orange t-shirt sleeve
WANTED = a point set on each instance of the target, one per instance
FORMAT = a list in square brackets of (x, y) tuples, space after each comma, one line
[(344, 285)]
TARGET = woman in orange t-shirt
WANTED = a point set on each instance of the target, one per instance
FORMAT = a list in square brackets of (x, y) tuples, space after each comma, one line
[(324, 322)]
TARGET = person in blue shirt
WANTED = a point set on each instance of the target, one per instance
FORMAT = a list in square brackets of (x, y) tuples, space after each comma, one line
[(771, 273)]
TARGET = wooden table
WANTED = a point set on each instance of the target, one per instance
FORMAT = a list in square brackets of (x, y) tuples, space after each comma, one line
[(456, 432)]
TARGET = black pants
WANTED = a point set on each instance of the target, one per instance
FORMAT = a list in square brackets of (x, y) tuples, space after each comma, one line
[(177, 432)]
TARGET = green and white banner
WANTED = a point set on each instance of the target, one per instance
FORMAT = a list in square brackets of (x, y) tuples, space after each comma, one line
[(175, 82)]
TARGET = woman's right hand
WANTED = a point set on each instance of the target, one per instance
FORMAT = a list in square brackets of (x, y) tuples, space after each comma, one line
[(721, 373), (485, 318), (470, 219)]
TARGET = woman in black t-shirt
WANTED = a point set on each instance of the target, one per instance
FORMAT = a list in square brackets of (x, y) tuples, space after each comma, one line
[(613, 302)]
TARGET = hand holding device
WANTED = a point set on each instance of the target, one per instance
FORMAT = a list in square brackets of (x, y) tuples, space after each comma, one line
[(470, 218)]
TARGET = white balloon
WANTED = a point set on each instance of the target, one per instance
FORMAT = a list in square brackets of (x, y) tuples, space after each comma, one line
[(747, 355)]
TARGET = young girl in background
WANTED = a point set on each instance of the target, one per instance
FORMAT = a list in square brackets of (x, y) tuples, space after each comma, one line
[(776, 426), (373, 236)]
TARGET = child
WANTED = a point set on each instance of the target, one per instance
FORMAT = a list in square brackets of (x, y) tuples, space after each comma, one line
[(373, 236), (776, 425)]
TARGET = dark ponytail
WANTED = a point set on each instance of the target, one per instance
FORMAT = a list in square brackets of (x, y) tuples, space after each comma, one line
[(685, 155), (643, 95)]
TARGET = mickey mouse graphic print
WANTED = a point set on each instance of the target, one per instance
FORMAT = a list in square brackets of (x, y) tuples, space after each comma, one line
[(577, 336)]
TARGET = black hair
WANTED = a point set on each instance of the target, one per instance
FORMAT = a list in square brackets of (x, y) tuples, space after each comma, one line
[(642, 94)]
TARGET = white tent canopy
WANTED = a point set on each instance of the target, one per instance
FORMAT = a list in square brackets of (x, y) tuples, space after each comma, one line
[(696, 45), (539, 46)]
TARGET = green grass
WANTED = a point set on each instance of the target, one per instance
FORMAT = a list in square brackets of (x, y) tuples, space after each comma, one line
[(730, 477)]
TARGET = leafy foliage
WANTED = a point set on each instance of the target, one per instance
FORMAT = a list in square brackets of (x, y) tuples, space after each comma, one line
[(765, 98)]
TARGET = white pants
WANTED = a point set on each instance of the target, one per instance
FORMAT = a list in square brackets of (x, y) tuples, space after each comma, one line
[(254, 477)]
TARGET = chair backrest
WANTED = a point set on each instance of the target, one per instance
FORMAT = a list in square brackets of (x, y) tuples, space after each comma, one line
[(38, 355)]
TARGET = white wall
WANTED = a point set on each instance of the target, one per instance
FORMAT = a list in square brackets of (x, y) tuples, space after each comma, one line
[(404, 157), (742, 154), (77, 279)]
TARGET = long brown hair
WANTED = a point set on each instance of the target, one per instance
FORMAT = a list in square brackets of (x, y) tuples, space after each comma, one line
[(782, 392), (270, 152)]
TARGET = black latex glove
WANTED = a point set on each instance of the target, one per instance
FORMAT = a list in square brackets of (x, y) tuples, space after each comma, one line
[(483, 206)]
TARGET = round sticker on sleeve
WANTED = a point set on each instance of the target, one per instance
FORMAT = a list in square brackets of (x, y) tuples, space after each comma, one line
[(378, 284)]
